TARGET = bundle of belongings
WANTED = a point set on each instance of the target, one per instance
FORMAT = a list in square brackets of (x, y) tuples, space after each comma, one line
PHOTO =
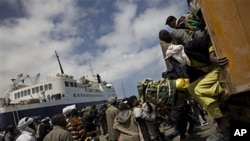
[(161, 92)]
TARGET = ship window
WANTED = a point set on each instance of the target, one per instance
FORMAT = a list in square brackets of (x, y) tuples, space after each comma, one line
[(41, 88), (18, 95), (78, 95), (15, 95), (50, 86), (66, 83), (71, 84), (28, 91), (37, 89), (74, 95), (33, 90), (75, 84), (46, 87), (25, 92), (21, 93)]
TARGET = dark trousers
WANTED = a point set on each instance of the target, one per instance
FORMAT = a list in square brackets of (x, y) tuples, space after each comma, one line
[(180, 117)]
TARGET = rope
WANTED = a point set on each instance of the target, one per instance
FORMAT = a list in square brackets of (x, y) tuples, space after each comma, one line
[(146, 91), (157, 94), (169, 90)]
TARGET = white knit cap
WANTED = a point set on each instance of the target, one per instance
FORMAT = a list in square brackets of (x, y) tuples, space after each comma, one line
[(24, 122), (66, 110)]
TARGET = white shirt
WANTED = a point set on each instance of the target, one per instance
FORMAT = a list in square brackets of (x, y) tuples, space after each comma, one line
[(26, 136), (177, 51)]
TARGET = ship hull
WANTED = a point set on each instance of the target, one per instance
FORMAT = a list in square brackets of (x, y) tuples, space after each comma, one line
[(13, 115)]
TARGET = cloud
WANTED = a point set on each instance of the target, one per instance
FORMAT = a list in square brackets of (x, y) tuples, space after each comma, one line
[(120, 38), (32, 39)]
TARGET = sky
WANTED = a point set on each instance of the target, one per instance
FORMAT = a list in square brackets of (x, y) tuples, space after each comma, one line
[(119, 38)]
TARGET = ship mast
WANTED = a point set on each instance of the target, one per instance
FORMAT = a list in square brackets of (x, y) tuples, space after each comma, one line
[(123, 90), (91, 69), (62, 72)]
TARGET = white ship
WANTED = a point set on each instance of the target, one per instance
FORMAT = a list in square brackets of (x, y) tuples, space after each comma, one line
[(48, 96)]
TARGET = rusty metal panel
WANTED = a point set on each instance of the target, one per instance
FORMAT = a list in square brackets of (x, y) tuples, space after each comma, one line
[(228, 23)]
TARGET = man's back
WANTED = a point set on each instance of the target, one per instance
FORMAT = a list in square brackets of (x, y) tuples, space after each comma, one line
[(58, 134), (26, 136), (111, 113)]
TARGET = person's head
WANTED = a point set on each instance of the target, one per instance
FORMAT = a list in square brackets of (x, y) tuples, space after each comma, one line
[(171, 21), (112, 100), (59, 120), (123, 105), (66, 110), (45, 120), (93, 106), (10, 128), (73, 113), (26, 122), (133, 101), (164, 35)]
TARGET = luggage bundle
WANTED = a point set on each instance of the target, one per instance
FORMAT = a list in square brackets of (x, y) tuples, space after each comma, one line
[(158, 92)]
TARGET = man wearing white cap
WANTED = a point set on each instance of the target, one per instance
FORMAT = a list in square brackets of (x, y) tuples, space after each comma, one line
[(27, 129)]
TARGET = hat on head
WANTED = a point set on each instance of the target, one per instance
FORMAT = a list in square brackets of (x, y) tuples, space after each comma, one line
[(68, 109), (24, 122), (112, 100), (45, 119)]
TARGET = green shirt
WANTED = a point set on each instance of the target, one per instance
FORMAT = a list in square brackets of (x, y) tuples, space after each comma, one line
[(58, 134)]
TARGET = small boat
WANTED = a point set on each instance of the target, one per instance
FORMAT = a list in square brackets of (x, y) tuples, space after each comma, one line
[(48, 96)]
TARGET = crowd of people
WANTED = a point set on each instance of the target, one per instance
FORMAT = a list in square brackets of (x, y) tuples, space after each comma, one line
[(128, 119)]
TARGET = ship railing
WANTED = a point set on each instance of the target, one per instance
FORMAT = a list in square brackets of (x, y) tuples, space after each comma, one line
[(47, 79)]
